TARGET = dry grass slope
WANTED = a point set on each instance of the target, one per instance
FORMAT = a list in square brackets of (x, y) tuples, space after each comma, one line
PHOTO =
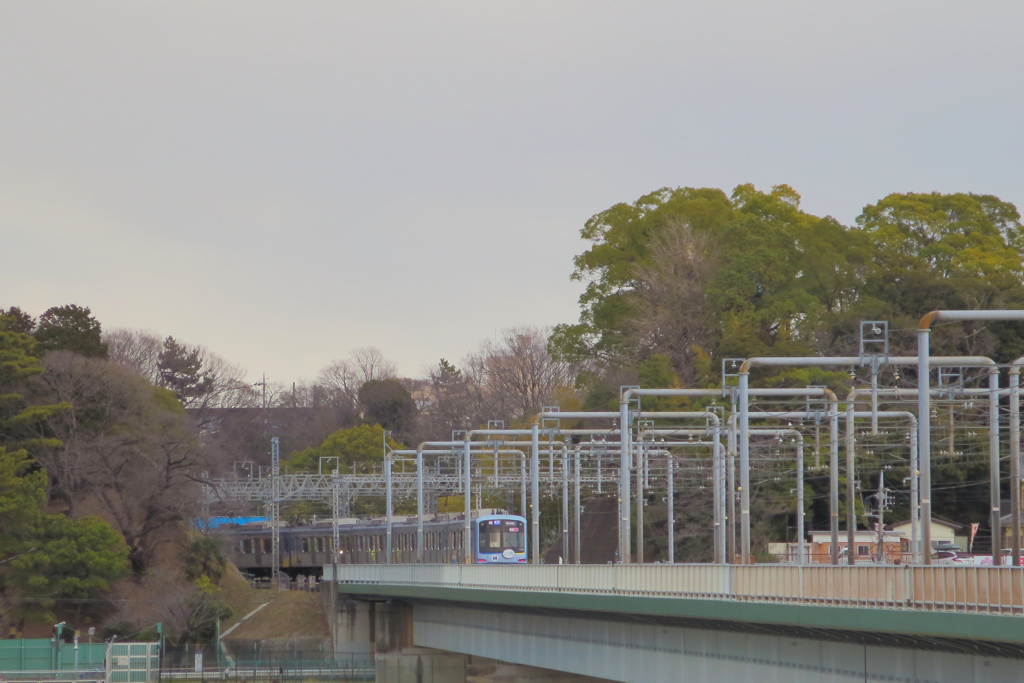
[(291, 614)]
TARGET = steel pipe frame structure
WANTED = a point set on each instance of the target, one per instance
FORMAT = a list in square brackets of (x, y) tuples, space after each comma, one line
[(721, 510), (419, 452), (625, 421), (716, 446), (626, 455), (924, 422), (893, 395), (833, 474), (822, 361), (534, 433), (744, 448), (1015, 483), (718, 534), (625, 449), (874, 414), (625, 452)]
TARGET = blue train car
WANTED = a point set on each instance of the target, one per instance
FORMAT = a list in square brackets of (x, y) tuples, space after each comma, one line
[(499, 539)]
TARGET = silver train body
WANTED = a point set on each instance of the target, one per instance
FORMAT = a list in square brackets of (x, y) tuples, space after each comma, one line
[(306, 549)]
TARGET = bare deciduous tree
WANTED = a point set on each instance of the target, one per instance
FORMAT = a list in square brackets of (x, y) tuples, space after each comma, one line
[(128, 454), (513, 377), (141, 350), (449, 403), (671, 311), (135, 349), (341, 380), (372, 365)]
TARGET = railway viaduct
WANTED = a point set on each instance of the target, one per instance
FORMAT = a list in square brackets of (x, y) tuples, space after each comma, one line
[(686, 623)]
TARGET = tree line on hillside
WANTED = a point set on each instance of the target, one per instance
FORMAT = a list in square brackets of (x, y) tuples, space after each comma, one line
[(682, 278), (98, 483), (104, 433)]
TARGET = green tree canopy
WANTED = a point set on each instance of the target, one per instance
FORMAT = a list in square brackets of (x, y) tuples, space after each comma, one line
[(205, 557), (181, 371), (357, 449), (946, 251), (49, 557), (387, 403), (22, 425), (18, 320), (22, 497), (694, 273), (70, 328), (949, 234)]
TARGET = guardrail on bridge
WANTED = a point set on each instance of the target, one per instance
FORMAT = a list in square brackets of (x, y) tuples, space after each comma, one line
[(969, 590)]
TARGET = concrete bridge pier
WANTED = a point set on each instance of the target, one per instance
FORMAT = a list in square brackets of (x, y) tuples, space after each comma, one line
[(352, 627), (398, 660), (383, 630)]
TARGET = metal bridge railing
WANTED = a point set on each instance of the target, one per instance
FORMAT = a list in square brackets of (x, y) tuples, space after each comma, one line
[(970, 590)]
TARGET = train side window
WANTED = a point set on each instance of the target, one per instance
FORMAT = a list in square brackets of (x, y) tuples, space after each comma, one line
[(305, 545)]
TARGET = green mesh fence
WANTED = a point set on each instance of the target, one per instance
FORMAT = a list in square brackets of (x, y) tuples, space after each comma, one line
[(42, 654)]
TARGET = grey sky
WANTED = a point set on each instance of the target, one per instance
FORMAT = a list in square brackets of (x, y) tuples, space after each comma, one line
[(285, 182)]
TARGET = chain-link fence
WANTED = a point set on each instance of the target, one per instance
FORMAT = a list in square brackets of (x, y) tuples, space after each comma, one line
[(279, 659)]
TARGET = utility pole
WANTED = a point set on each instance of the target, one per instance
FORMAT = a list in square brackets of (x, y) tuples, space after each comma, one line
[(881, 500), (275, 511)]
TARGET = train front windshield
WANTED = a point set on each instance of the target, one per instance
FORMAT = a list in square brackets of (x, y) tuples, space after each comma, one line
[(498, 535)]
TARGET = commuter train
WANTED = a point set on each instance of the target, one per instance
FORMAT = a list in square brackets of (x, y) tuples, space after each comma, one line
[(496, 538)]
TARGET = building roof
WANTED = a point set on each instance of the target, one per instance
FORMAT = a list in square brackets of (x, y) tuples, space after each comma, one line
[(861, 536), (955, 526)]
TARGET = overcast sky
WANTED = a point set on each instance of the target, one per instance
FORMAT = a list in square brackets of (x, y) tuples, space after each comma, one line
[(286, 182)]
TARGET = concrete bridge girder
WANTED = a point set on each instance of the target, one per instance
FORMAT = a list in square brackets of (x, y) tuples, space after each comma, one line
[(645, 653)]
